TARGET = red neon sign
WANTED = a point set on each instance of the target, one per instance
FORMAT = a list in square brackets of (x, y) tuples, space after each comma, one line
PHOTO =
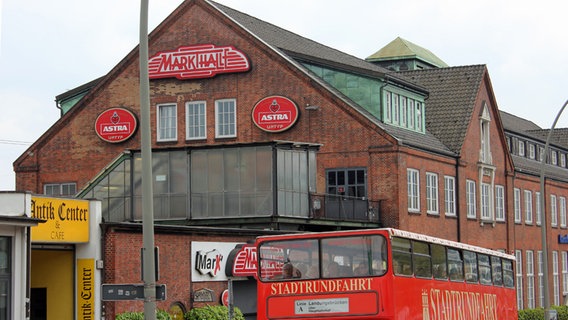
[(275, 114), (115, 125), (196, 62)]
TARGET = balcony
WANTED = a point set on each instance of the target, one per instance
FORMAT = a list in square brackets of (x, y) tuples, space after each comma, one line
[(344, 208)]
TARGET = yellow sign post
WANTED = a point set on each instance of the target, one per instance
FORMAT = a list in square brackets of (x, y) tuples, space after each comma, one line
[(67, 220)]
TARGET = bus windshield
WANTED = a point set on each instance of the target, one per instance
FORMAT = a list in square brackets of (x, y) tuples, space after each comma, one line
[(333, 257)]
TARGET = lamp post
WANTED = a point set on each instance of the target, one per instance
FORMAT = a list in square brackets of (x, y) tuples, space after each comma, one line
[(548, 314), (148, 276)]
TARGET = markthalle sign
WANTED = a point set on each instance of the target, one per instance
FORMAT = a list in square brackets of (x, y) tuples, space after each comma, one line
[(196, 62)]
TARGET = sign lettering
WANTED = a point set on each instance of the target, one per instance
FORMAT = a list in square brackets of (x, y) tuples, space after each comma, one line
[(67, 221), (208, 262), (320, 286), (275, 114), (115, 125), (196, 62), (85, 289), (439, 304)]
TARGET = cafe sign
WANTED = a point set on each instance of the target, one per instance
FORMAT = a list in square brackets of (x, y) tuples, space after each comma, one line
[(66, 220), (197, 62)]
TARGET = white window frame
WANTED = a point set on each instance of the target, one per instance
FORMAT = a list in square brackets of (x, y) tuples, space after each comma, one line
[(517, 204), (411, 111), (225, 120), (553, 211), (60, 187), (486, 202), (196, 120), (563, 160), (565, 272), (413, 189), (403, 111), (555, 279), (521, 144), (554, 157), (538, 209), (395, 109), (562, 205), (540, 279), (530, 280), (471, 199), (450, 195), (500, 203), (432, 204), (166, 123), (528, 207), (388, 106), (532, 151), (519, 277)]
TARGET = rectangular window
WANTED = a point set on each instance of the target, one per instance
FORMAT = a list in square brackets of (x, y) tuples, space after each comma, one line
[(565, 272), (563, 160), (563, 212), (485, 201), (528, 207), (6, 276), (521, 148), (418, 116), (555, 279), (499, 203), (530, 280), (517, 203), (538, 209), (413, 182), (554, 156), (395, 108), (450, 195), (388, 107), (410, 114), (403, 112), (226, 118), (60, 189), (540, 280), (470, 194), (196, 120), (519, 277), (532, 151), (553, 211), (167, 122), (432, 193)]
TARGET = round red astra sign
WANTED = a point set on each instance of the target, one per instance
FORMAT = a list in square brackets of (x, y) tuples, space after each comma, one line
[(275, 114), (116, 125)]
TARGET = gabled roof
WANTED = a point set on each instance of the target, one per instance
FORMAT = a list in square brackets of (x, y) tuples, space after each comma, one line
[(449, 108), (517, 124), (403, 49)]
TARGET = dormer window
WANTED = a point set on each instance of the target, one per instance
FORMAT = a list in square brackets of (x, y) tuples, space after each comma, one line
[(521, 148), (554, 157), (532, 151), (485, 120)]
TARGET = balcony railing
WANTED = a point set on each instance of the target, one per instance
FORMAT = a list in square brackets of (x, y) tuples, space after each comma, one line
[(343, 208)]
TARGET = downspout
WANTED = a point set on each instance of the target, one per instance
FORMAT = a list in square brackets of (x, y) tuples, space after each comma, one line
[(458, 216)]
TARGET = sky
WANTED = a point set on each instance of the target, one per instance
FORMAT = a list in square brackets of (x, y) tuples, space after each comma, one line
[(49, 47)]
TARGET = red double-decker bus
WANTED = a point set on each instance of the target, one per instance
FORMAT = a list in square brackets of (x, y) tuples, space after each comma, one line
[(381, 274)]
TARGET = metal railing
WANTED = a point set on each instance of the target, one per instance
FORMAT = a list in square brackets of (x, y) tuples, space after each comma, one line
[(344, 208)]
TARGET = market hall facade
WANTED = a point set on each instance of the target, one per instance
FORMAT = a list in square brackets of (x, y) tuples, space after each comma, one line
[(257, 130)]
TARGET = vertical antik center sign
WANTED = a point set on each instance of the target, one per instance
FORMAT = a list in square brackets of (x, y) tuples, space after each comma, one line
[(198, 61)]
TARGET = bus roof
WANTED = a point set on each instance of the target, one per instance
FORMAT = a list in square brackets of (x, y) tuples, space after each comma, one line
[(391, 232)]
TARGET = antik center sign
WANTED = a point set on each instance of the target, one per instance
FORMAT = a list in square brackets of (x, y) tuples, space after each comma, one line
[(66, 221)]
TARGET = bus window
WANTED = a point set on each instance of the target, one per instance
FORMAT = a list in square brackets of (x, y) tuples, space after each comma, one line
[(484, 269), (508, 278), (401, 256), (439, 264), (470, 266), (288, 259), (421, 259), (496, 271), (455, 265), (353, 256)]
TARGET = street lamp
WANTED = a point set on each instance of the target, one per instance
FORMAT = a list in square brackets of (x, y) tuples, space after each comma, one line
[(548, 314)]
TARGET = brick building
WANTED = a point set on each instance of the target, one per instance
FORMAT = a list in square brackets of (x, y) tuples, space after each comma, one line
[(256, 129)]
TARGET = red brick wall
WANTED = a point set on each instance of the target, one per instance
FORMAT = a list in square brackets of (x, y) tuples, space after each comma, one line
[(122, 266)]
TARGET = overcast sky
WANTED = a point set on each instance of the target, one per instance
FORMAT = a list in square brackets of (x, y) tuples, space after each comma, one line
[(49, 47)]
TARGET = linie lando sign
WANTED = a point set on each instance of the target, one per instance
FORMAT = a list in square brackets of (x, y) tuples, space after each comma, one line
[(116, 125), (275, 114), (196, 62)]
